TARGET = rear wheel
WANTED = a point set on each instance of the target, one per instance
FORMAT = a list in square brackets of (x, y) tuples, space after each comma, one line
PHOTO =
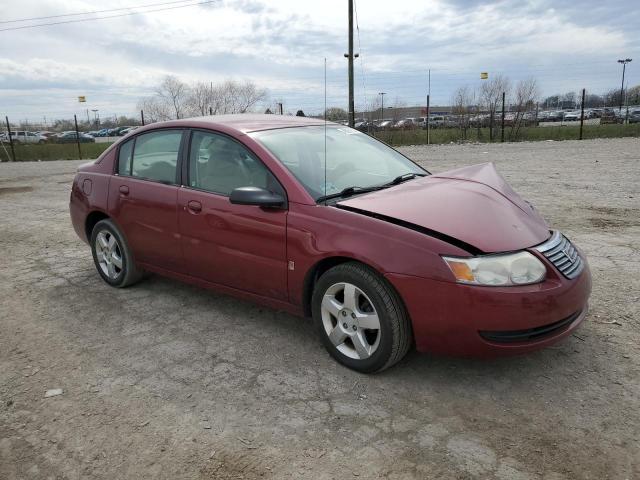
[(112, 256), (361, 318)]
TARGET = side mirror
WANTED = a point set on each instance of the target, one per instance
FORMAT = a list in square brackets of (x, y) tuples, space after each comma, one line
[(256, 196)]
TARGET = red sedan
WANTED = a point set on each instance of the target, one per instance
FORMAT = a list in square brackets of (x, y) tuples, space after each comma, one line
[(324, 221)]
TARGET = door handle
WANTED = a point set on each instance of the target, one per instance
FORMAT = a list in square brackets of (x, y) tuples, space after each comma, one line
[(124, 190), (195, 207)]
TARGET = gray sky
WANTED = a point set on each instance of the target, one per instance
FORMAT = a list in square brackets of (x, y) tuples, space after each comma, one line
[(281, 45)]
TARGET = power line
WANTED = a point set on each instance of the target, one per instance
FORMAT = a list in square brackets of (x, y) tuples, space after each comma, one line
[(90, 13), (108, 16), (364, 86)]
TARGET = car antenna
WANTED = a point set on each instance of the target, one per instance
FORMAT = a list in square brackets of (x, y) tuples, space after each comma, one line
[(325, 131)]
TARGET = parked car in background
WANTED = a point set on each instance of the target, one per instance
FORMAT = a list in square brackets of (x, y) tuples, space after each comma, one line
[(436, 121), (24, 137), (71, 137), (611, 116), (47, 135), (571, 116), (385, 124), (126, 131), (406, 124), (366, 126), (379, 252), (634, 115), (555, 116)]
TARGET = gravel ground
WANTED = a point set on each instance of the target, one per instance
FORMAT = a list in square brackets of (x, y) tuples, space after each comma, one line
[(165, 380)]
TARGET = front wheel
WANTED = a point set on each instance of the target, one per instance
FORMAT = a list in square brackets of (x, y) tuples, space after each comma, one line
[(112, 257), (361, 319)]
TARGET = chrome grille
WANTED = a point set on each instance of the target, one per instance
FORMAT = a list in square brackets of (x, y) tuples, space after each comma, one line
[(564, 256)]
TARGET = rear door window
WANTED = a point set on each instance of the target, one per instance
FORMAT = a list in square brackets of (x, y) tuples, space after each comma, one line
[(155, 155)]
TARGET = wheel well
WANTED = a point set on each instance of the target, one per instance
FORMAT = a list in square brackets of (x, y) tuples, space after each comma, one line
[(92, 219), (314, 274)]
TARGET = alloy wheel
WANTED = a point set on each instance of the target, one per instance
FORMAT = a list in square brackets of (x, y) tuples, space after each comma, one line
[(350, 321), (109, 254)]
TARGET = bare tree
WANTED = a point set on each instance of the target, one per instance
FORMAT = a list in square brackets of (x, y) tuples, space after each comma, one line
[(173, 94), (200, 99), (336, 114), (526, 94), (491, 95), (247, 95), (154, 109), (175, 99), (396, 109), (462, 101)]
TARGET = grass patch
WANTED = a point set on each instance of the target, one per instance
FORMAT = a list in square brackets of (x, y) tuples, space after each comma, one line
[(455, 135), (52, 151)]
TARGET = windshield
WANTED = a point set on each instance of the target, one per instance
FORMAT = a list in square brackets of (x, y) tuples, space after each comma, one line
[(354, 159)]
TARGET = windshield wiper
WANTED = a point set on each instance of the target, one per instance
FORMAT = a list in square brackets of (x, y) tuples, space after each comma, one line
[(349, 191), (404, 177)]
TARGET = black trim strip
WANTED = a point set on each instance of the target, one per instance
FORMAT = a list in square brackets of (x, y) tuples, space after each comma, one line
[(512, 336), (417, 228)]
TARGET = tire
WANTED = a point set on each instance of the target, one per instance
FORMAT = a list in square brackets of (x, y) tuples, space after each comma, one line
[(347, 300), (112, 256)]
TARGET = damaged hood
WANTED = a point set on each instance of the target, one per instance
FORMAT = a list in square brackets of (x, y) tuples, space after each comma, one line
[(473, 205)]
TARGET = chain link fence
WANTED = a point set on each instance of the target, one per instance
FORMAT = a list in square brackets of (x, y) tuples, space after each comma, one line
[(496, 121)]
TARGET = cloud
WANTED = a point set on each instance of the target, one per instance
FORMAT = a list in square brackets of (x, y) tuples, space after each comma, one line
[(282, 45)]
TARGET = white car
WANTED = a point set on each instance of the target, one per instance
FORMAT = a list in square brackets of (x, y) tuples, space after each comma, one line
[(571, 116), (24, 137)]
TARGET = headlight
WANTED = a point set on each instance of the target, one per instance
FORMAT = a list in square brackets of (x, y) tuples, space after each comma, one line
[(520, 268)]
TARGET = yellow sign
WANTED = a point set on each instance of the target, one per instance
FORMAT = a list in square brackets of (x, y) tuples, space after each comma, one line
[(82, 99), (484, 75)]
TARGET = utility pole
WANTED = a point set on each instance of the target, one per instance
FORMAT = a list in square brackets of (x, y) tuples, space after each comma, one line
[(350, 56), (382, 94), (624, 66)]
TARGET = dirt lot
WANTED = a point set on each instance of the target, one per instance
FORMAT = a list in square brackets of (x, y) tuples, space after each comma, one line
[(164, 380)]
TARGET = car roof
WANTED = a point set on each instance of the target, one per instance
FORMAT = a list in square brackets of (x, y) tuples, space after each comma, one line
[(245, 122)]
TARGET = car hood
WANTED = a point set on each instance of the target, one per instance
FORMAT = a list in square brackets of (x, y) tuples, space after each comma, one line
[(473, 205)]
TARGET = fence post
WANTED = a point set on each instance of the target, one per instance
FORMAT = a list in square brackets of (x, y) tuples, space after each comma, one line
[(13, 152), (582, 113), (210, 110), (428, 115), (75, 119), (492, 114), (142, 117), (502, 126)]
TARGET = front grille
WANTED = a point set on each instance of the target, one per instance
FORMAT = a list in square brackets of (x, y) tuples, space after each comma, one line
[(530, 334), (564, 256)]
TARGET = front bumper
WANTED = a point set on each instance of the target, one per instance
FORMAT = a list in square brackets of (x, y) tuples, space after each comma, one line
[(463, 320)]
